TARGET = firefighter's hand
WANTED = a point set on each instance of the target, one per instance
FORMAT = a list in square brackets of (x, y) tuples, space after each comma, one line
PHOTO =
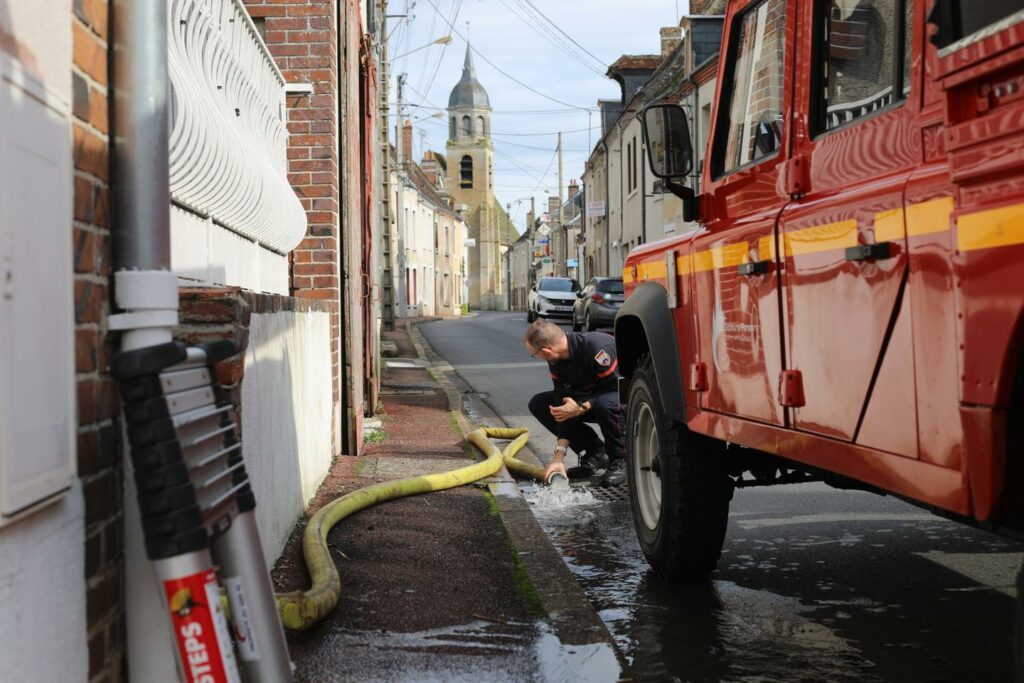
[(568, 410), (555, 466)]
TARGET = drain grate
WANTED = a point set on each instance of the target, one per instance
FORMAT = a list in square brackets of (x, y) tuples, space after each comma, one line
[(610, 493)]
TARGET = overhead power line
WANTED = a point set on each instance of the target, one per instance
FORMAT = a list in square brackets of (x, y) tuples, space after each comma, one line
[(440, 59), (559, 29), (552, 38), (498, 68)]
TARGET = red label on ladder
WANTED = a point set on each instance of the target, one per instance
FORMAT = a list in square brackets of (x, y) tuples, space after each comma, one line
[(201, 629)]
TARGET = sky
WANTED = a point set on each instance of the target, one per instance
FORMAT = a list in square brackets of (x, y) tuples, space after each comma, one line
[(558, 50)]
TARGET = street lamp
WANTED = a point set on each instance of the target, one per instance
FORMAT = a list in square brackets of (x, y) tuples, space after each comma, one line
[(443, 40), (435, 115)]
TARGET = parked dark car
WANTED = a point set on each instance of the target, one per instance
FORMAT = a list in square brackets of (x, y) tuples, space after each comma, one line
[(597, 304)]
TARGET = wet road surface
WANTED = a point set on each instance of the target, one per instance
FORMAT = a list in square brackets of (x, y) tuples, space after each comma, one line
[(814, 584)]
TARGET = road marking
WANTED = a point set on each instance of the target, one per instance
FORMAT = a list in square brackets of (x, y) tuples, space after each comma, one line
[(501, 366), (994, 571)]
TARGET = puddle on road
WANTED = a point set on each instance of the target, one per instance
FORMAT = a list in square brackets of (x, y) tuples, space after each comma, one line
[(477, 651), (709, 631)]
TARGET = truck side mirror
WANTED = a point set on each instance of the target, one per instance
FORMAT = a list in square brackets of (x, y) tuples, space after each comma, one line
[(667, 133), (670, 150)]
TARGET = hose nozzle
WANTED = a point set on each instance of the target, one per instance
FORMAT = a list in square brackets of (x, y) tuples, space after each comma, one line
[(557, 480)]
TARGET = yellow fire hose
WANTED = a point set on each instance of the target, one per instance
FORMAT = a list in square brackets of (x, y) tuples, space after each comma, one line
[(300, 610)]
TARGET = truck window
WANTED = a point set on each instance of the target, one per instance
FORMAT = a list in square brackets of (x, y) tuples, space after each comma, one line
[(753, 128), (864, 63), (957, 19)]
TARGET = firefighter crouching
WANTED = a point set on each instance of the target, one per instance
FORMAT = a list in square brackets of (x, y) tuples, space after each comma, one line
[(584, 370)]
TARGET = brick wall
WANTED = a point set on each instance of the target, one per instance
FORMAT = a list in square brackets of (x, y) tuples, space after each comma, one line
[(99, 450), (302, 36)]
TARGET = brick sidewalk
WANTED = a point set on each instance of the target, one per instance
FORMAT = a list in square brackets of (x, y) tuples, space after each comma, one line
[(430, 584)]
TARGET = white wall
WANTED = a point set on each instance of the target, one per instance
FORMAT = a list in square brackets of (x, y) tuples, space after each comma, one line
[(42, 584), (42, 593), (286, 418)]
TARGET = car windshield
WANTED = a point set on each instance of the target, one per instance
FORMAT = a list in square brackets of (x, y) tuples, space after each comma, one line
[(610, 286), (557, 284)]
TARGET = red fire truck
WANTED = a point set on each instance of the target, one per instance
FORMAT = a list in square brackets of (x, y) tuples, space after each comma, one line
[(851, 306)]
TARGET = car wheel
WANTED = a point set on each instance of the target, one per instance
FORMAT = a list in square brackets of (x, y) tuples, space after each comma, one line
[(576, 327), (530, 316), (679, 487), (587, 324)]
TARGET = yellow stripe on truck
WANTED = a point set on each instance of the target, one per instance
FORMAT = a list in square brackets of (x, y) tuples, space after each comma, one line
[(993, 228), (979, 230)]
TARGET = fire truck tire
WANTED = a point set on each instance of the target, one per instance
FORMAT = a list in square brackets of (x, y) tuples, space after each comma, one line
[(679, 487), (1018, 631)]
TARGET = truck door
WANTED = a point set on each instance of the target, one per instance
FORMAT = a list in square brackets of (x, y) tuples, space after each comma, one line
[(733, 263), (843, 238)]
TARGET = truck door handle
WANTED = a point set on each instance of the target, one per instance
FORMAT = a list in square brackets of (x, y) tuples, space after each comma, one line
[(871, 252), (754, 268)]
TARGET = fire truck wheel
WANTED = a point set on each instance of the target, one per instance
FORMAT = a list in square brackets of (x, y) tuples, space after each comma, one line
[(1018, 630), (679, 487)]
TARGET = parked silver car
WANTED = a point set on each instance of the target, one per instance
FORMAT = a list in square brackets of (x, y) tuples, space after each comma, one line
[(598, 303), (552, 297)]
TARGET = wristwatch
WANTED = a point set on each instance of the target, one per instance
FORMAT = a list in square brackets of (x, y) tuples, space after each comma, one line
[(585, 406), (561, 449)]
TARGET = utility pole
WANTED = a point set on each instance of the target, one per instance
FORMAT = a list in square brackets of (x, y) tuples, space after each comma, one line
[(387, 208), (399, 196), (533, 245), (563, 247)]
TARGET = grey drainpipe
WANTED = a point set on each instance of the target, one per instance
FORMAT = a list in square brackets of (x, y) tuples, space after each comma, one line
[(622, 200), (607, 209), (642, 163), (145, 288)]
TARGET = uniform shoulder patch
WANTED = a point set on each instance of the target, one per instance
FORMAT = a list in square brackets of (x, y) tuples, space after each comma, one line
[(603, 358)]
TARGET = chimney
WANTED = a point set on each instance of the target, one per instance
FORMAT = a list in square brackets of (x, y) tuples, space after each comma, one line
[(574, 189), (712, 7), (553, 206), (429, 166), (671, 37), (407, 140)]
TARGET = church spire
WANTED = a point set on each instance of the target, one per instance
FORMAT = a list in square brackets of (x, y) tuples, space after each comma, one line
[(468, 71), (468, 93)]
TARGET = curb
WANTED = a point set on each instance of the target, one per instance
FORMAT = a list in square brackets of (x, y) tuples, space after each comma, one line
[(570, 613)]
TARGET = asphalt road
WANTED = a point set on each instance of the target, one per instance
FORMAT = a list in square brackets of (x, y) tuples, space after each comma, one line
[(815, 584)]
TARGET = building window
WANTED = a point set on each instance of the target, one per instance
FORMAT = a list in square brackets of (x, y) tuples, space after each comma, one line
[(452, 129), (467, 126), (466, 172), (480, 125), (631, 165)]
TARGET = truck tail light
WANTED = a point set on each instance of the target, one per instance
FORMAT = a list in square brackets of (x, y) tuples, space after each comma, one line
[(598, 299)]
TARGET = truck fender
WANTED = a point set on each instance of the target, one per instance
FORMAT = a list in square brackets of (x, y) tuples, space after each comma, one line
[(644, 324)]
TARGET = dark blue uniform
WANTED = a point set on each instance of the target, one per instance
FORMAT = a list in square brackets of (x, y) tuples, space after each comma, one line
[(590, 373)]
